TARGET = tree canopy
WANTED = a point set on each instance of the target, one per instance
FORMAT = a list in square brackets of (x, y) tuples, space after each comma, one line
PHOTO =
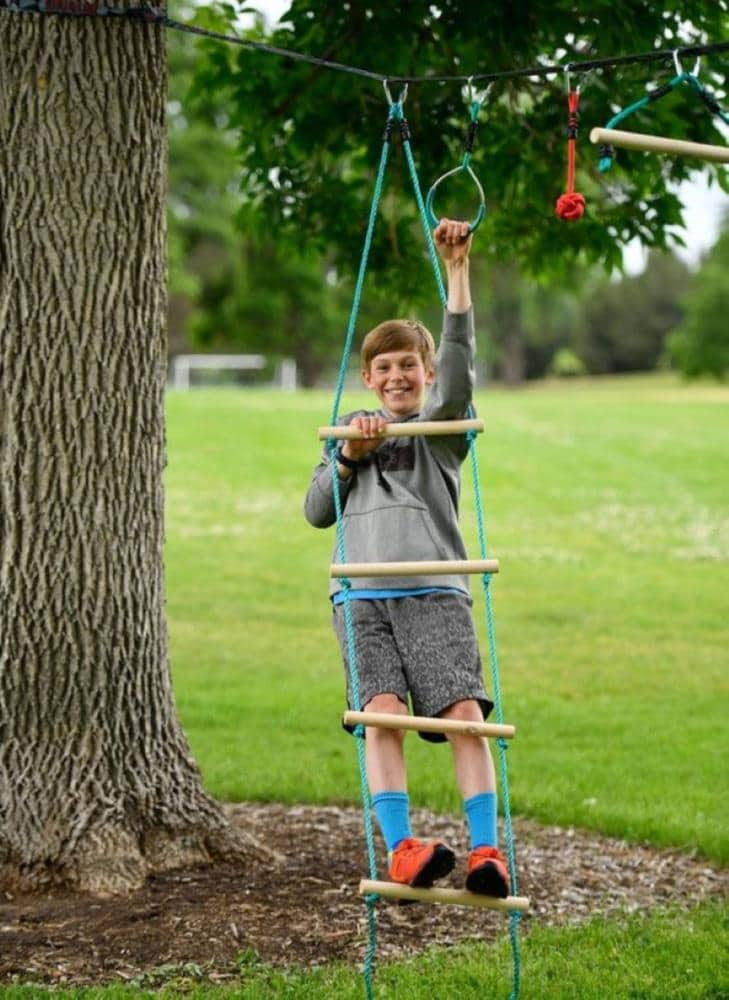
[(309, 138)]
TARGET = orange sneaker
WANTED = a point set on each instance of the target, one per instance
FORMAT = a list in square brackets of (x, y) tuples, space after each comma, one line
[(419, 865), (487, 872)]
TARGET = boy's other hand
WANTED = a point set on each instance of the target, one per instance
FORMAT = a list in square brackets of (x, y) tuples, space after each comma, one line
[(452, 239), (373, 427)]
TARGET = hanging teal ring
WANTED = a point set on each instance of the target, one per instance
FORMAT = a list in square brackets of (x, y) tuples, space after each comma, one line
[(480, 215)]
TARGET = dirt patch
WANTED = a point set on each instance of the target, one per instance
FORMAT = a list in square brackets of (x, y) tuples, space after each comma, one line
[(304, 910)]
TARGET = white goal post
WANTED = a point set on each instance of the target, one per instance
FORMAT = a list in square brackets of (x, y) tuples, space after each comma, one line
[(183, 364)]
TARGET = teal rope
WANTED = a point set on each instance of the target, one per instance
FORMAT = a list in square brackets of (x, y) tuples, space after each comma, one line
[(370, 899), (424, 218), (502, 744), (515, 916)]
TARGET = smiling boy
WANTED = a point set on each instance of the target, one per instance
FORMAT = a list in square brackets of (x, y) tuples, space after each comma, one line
[(400, 500)]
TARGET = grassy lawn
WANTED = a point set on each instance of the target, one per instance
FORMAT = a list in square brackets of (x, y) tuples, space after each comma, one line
[(607, 507), (661, 956), (606, 504)]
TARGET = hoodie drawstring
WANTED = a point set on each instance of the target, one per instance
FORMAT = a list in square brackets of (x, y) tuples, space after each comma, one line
[(380, 477)]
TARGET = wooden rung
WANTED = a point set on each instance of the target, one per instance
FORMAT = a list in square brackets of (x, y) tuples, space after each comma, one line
[(415, 428), (426, 724), (459, 897), (659, 144), (455, 567)]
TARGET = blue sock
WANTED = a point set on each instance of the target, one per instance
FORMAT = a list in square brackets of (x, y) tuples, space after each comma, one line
[(392, 810), (481, 815)]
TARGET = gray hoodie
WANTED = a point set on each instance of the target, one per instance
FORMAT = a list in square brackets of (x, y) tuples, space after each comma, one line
[(401, 504)]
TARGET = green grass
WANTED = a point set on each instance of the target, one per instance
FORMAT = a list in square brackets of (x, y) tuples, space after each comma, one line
[(606, 504), (681, 956)]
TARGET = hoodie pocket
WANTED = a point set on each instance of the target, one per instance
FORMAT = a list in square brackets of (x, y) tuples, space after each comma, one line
[(398, 533)]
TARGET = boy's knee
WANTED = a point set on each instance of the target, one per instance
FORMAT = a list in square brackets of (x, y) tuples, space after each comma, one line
[(388, 702), (464, 711)]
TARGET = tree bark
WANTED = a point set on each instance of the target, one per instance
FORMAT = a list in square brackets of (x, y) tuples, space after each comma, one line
[(97, 783)]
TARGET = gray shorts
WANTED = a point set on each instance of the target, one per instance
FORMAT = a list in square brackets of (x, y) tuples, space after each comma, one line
[(422, 647)]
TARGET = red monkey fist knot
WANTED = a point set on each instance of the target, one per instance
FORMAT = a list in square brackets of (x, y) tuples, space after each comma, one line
[(570, 207)]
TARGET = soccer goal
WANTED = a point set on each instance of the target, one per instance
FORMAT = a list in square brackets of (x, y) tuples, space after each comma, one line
[(216, 367)]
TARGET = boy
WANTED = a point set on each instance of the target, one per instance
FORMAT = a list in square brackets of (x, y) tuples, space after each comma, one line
[(400, 503)]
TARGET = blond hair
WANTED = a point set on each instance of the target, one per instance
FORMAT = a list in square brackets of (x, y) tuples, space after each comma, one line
[(398, 335)]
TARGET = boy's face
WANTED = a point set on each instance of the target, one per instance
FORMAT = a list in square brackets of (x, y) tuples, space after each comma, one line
[(399, 379)]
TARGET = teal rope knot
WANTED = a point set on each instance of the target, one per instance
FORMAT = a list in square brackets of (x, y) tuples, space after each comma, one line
[(502, 744), (359, 731)]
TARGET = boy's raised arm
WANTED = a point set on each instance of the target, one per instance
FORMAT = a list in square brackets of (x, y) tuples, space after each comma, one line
[(453, 243)]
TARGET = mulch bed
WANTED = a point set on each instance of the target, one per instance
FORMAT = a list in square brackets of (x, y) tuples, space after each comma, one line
[(301, 907)]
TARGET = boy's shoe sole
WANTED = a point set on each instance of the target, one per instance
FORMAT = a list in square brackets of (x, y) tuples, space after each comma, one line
[(487, 880), (441, 862)]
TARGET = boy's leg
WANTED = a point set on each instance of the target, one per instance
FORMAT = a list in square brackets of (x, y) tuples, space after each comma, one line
[(476, 778), (384, 753), (474, 766), (386, 774), (410, 861)]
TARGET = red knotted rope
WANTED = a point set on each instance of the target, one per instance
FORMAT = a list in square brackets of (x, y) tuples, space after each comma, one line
[(570, 205)]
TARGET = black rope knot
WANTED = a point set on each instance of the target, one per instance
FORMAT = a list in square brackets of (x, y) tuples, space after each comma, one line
[(387, 134), (404, 130), (607, 151), (710, 101), (660, 91), (573, 118), (471, 136)]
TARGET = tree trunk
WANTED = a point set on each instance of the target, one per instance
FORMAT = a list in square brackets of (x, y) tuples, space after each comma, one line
[(507, 314), (97, 783)]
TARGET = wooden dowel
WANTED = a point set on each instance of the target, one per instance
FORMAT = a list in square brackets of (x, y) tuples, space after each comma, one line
[(455, 567), (460, 897), (426, 724), (659, 144), (415, 428)]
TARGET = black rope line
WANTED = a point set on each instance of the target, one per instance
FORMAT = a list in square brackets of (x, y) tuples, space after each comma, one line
[(155, 15)]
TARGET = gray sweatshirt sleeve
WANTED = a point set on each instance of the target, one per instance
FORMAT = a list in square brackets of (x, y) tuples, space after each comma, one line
[(319, 508), (452, 391)]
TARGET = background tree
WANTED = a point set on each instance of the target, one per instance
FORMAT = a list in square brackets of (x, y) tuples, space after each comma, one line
[(309, 138), (623, 325), (228, 290), (701, 345), (97, 783)]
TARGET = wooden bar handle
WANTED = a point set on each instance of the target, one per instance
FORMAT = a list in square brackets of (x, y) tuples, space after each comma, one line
[(460, 897), (455, 567), (427, 724), (659, 144), (416, 428)]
